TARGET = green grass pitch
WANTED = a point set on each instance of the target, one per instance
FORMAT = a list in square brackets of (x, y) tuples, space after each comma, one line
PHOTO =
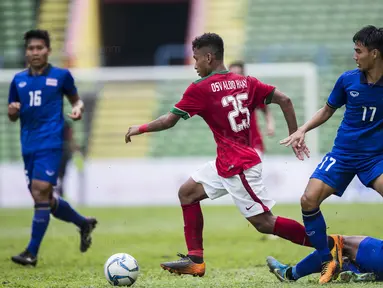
[(234, 251)]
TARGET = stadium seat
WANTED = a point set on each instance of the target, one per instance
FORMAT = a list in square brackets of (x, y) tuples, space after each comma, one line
[(307, 23)]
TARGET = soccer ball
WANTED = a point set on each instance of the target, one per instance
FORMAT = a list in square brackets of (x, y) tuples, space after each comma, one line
[(121, 270)]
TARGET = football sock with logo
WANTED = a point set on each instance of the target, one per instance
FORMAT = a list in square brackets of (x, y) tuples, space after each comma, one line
[(291, 230), (193, 228), (63, 211), (316, 230), (39, 226)]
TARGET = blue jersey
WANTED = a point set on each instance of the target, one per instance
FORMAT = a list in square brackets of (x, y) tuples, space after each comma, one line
[(361, 131), (41, 112)]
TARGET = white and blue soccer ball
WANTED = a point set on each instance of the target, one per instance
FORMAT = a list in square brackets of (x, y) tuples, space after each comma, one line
[(121, 269)]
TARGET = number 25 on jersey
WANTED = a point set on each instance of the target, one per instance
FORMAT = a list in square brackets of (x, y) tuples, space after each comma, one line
[(238, 109), (35, 98)]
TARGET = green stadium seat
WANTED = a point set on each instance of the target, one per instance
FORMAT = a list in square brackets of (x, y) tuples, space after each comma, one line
[(15, 18), (280, 22)]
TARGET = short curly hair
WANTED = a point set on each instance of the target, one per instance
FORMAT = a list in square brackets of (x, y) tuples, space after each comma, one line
[(212, 41)]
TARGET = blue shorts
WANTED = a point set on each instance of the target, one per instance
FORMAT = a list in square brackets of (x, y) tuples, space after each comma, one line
[(42, 165), (370, 257), (337, 170)]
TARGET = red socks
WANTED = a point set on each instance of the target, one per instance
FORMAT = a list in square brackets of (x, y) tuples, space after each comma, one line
[(193, 221), (193, 227), (291, 230)]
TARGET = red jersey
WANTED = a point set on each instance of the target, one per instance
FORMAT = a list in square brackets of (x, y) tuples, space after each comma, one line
[(225, 101)]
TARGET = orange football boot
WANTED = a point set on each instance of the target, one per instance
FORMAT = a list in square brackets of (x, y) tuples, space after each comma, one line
[(331, 269), (337, 250), (184, 266)]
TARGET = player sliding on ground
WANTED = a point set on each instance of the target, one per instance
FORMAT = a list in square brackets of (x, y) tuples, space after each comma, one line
[(36, 97), (225, 101), (362, 261), (358, 147)]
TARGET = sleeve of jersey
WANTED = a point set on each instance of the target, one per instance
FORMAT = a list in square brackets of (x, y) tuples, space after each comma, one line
[(13, 94), (190, 104), (69, 87), (263, 93), (338, 95)]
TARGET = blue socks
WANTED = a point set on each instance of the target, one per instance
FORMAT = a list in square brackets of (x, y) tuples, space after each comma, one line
[(63, 211), (309, 265), (316, 231), (313, 264), (39, 226)]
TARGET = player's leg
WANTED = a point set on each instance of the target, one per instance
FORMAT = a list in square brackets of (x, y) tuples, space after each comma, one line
[(59, 188), (40, 191), (252, 199), (331, 176), (190, 194), (204, 183), (47, 169), (285, 273), (307, 266), (39, 222), (371, 173), (368, 255), (351, 246)]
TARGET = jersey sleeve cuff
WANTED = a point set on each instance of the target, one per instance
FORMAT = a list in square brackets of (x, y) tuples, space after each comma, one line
[(331, 106), (184, 115), (269, 97), (71, 93)]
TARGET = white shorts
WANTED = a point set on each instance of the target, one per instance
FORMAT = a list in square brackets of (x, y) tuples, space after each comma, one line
[(246, 189)]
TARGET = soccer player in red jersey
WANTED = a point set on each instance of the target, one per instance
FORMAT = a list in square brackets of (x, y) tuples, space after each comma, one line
[(225, 101), (256, 140)]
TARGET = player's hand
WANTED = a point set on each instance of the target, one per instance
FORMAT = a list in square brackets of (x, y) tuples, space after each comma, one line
[(132, 131), (14, 108), (298, 136), (76, 114), (300, 151)]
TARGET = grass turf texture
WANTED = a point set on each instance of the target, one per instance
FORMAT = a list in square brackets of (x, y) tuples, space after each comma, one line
[(234, 251)]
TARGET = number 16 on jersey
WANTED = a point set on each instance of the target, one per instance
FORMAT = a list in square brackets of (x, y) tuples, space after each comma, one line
[(35, 98)]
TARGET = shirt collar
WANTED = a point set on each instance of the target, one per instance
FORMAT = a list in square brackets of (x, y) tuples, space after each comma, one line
[(45, 71), (363, 79)]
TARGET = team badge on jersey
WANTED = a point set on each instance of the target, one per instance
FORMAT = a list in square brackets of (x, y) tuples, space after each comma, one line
[(51, 82), (22, 84), (354, 93)]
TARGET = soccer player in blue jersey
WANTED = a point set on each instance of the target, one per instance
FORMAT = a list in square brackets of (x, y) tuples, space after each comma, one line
[(36, 98), (358, 147), (362, 261)]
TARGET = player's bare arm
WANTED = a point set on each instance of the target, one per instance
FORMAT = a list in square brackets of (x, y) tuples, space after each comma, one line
[(318, 119), (77, 107), (287, 108), (163, 122), (13, 111), (270, 126)]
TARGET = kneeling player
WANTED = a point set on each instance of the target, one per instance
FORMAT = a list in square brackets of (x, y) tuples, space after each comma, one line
[(361, 260)]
